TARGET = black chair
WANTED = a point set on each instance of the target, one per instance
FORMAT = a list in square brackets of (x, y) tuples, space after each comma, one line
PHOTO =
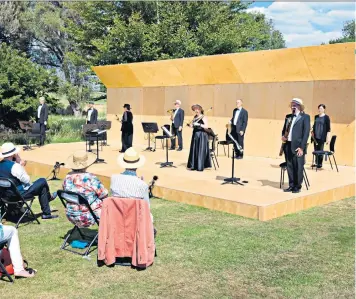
[(2, 267), (78, 199), (331, 152), (227, 142), (34, 134), (283, 167), (162, 137), (10, 195), (214, 139)]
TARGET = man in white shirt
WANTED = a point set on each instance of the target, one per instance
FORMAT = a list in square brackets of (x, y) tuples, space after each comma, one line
[(42, 119), (177, 126), (92, 114), (239, 122), (12, 167)]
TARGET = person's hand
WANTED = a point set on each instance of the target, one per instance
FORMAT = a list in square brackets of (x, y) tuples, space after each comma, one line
[(180, 128), (23, 163), (241, 133), (299, 152), (142, 178), (196, 125), (284, 139), (45, 123)]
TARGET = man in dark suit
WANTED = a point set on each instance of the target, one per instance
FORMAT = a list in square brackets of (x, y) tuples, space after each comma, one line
[(239, 124), (42, 119), (92, 114), (296, 144), (177, 125)]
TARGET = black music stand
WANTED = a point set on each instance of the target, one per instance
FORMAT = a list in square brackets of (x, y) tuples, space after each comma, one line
[(104, 125), (150, 128), (232, 179), (87, 129), (167, 135), (26, 126)]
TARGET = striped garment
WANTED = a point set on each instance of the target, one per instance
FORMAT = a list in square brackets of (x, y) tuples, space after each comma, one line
[(128, 185)]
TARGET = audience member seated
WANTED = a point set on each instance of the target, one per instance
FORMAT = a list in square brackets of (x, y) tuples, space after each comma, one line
[(88, 185), (9, 235), (128, 184), (12, 167)]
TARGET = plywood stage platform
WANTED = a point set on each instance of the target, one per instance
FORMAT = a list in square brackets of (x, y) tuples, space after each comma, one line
[(260, 198)]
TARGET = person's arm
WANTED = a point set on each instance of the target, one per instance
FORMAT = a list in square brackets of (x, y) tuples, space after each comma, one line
[(124, 117), (45, 113), (328, 129), (99, 188), (205, 125), (244, 122), (19, 172), (181, 120), (233, 115), (95, 116), (306, 131)]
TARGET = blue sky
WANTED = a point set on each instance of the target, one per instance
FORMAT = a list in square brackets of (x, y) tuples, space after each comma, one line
[(307, 23)]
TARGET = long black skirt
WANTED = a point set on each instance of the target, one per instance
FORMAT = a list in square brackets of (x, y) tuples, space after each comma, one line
[(199, 155)]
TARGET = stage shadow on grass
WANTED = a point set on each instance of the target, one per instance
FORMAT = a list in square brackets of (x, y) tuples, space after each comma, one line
[(270, 183)]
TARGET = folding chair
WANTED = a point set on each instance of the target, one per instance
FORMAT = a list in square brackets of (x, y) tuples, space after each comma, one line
[(76, 198), (10, 195), (35, 134), (329, 153), (283, 167), (162, 137), (2, 267)]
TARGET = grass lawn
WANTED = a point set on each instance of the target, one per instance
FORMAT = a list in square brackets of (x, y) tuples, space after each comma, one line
[(203, 254)]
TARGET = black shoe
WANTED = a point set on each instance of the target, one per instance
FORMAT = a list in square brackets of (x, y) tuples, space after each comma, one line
[(239, 157), (172, 149), (319, 166), (178, 150), (48, 217), (289, 189), (122, 151), (296, 190)]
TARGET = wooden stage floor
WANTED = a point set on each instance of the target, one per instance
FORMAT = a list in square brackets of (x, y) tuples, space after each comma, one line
[(260, 198)]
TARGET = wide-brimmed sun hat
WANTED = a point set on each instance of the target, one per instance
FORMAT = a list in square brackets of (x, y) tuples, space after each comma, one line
[(197, 106), (8, 149), (298, 102), (131, 159), (80, 160)]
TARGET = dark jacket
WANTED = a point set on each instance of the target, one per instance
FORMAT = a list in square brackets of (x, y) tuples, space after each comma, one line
[(127, 126), (179, 119), (241, 124), (43, 114), (93, 116), (300, 131), (326, 127)]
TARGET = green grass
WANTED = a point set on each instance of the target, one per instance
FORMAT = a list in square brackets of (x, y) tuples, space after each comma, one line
[(204, 254)]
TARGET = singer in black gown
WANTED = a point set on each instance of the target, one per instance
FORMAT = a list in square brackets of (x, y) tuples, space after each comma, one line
[(199, 154)]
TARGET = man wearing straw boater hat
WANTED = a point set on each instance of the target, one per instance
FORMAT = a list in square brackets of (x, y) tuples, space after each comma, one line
[(295, 144), (128, 184), (11, 168)]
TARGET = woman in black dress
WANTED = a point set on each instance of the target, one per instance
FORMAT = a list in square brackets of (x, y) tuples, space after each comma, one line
[(126, 128), (321, 132), (199, 155)]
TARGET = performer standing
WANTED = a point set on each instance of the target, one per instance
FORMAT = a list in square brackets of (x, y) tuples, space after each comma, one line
[(177, 125), (42, 119), (295, 144), (126, 128), (199, 155), (321, 133), (92, 114), (239, 124)]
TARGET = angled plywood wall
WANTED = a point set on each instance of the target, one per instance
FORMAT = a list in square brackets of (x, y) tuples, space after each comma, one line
[(265, 80)]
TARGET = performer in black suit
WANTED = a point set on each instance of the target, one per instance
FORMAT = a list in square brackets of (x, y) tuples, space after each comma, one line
[(126, 128), (296, 143), (239, 124), (92, 114), (177, 125), (199, 154), (42, 119), (321, 132)]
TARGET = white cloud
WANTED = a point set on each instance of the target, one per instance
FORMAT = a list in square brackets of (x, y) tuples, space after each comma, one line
[(308, 23)]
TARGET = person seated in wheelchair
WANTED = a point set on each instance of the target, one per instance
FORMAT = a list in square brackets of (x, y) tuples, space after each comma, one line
[(12, 167), (88, 185), (9, 235)]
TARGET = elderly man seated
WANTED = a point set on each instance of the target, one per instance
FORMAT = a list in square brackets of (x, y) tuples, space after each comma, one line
[(12, 167)]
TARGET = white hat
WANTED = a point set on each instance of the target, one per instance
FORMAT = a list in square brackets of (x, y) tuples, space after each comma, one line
[(8, 149), (131, 159), (80, 160), (297, 101)]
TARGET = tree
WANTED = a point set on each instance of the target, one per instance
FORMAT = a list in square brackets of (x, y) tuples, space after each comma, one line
[(348, 33), (22, 82)]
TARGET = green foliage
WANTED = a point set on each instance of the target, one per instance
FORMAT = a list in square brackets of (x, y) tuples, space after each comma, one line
[(65, 129), (21, 84), (348, 33)]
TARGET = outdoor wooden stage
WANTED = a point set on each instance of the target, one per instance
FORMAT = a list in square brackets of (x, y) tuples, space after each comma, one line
[(260, 198)]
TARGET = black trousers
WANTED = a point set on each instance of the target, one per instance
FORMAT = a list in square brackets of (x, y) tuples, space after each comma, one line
[(319, 147), (40, 188), (43, 133), (126, 140), (295, 167), (240, 141), (176, 132)]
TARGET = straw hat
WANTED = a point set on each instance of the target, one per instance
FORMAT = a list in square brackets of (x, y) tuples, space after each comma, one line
[(298, 102), (80, 160), (195, 106), (8, 149), (131, 159)]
